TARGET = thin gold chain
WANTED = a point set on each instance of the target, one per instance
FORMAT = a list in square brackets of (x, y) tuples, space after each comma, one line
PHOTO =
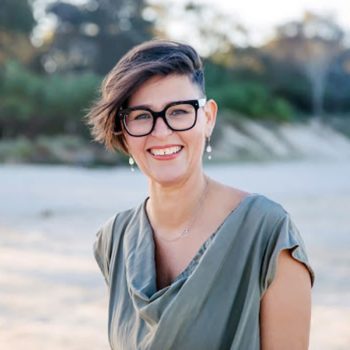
[(188, 228)]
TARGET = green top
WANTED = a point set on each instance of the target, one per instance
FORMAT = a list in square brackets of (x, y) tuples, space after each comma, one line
[(215, 302)]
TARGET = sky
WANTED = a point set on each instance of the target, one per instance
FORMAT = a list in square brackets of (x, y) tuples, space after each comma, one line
[(260, 17)]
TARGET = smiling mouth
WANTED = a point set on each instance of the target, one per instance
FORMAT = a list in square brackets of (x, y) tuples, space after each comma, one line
[(165, 151)]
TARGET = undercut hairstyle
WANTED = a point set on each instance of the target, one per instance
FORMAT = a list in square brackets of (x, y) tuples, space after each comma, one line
[(144, 61)]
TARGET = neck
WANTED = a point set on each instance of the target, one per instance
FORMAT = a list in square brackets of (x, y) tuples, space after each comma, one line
[(171, 208)]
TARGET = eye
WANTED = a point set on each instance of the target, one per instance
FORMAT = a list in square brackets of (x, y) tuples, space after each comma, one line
[(139, 116), (142, 116), (178, 111)]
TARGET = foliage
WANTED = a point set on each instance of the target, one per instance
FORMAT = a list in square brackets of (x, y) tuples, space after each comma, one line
[(310, 45), (16, 16), (95, 35), (247, 92), (295, 73), (30, 103), (16, 23), (251, 99), (67, 149)]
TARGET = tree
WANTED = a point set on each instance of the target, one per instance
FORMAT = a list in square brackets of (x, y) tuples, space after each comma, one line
[(95, 35), (212, 32), (311, 45), (16, 24), (16, 16)]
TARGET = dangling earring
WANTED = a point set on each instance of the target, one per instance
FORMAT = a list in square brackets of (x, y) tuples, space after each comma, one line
[(208, 148), (131, 163)]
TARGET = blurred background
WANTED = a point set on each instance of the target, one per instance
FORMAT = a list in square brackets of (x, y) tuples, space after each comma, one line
[(280, 73)]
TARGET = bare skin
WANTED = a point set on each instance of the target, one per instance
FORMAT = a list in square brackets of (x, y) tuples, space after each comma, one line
[(175, 188), (285, 312), (286, 305), (173, 257)]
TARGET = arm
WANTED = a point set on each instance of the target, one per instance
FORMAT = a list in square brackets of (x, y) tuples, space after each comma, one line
[(285, 311)]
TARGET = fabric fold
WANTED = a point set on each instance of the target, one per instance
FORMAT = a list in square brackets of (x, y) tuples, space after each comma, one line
[(215, 302), (285, 235)]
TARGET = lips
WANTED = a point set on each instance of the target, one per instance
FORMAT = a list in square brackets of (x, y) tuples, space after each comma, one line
[(165, 151)]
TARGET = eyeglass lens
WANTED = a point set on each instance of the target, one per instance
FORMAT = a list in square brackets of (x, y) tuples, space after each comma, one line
[(179, 117)]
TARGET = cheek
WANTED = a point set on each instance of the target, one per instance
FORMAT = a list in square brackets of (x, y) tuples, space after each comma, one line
[(195, 140), (134, 145), (200, 132)]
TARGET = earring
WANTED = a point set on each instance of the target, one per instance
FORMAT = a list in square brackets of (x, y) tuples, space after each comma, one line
[(131, 163), (208, 148)]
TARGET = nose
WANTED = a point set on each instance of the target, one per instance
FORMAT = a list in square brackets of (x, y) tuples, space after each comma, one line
[(161, 129)]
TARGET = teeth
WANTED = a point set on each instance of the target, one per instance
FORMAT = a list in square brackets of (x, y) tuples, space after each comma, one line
[(165, 151)]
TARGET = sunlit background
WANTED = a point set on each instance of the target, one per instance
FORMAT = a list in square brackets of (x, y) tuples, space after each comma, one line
[(280, 72)]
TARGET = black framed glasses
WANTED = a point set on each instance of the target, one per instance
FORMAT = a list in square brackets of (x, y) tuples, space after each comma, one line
[(178, 116)]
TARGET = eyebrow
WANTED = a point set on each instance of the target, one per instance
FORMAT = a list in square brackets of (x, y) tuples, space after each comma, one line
[(141, 106), (164, 106)]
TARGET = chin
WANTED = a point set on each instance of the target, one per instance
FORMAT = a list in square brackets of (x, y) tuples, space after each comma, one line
[(168, 176)]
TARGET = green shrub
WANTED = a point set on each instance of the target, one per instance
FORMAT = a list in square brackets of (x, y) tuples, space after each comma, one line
[(19, 150), (251, 99), (57, 149), (31, 104)]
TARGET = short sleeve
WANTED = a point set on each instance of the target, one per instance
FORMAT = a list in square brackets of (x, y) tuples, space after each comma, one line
[(285, 235), (102, 247)]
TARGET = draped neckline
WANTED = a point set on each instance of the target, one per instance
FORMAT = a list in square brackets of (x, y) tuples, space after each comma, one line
[(142, 265)]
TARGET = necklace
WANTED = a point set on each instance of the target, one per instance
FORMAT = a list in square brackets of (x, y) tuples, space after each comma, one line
[(187, 229)]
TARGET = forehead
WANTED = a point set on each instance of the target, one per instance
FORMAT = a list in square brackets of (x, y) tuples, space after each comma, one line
[(159, 91)]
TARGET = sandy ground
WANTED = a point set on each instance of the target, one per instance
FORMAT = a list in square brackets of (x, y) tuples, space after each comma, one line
[(52, 295)]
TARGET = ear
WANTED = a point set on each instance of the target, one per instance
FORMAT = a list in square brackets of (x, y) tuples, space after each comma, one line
[(210, 110)]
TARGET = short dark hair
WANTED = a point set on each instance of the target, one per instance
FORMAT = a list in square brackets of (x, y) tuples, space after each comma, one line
[(144, 61)]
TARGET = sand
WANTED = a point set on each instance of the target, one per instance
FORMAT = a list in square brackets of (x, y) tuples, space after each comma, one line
[(52, 295)]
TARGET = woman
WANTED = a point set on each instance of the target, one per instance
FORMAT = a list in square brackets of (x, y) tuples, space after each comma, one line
[(197, 265)]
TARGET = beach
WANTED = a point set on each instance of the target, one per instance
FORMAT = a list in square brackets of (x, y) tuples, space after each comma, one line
[(52, 294)]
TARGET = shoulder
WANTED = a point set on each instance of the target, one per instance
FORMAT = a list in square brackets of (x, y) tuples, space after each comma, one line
[(123, 218), (259, 203), (117, 219), (268, 204), (109, 236), (260, 212), (264, 210), (281, 243), (119, 222), (257, 207), (267, 222)]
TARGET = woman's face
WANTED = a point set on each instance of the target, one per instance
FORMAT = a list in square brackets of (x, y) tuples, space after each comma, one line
[(167, 156)]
